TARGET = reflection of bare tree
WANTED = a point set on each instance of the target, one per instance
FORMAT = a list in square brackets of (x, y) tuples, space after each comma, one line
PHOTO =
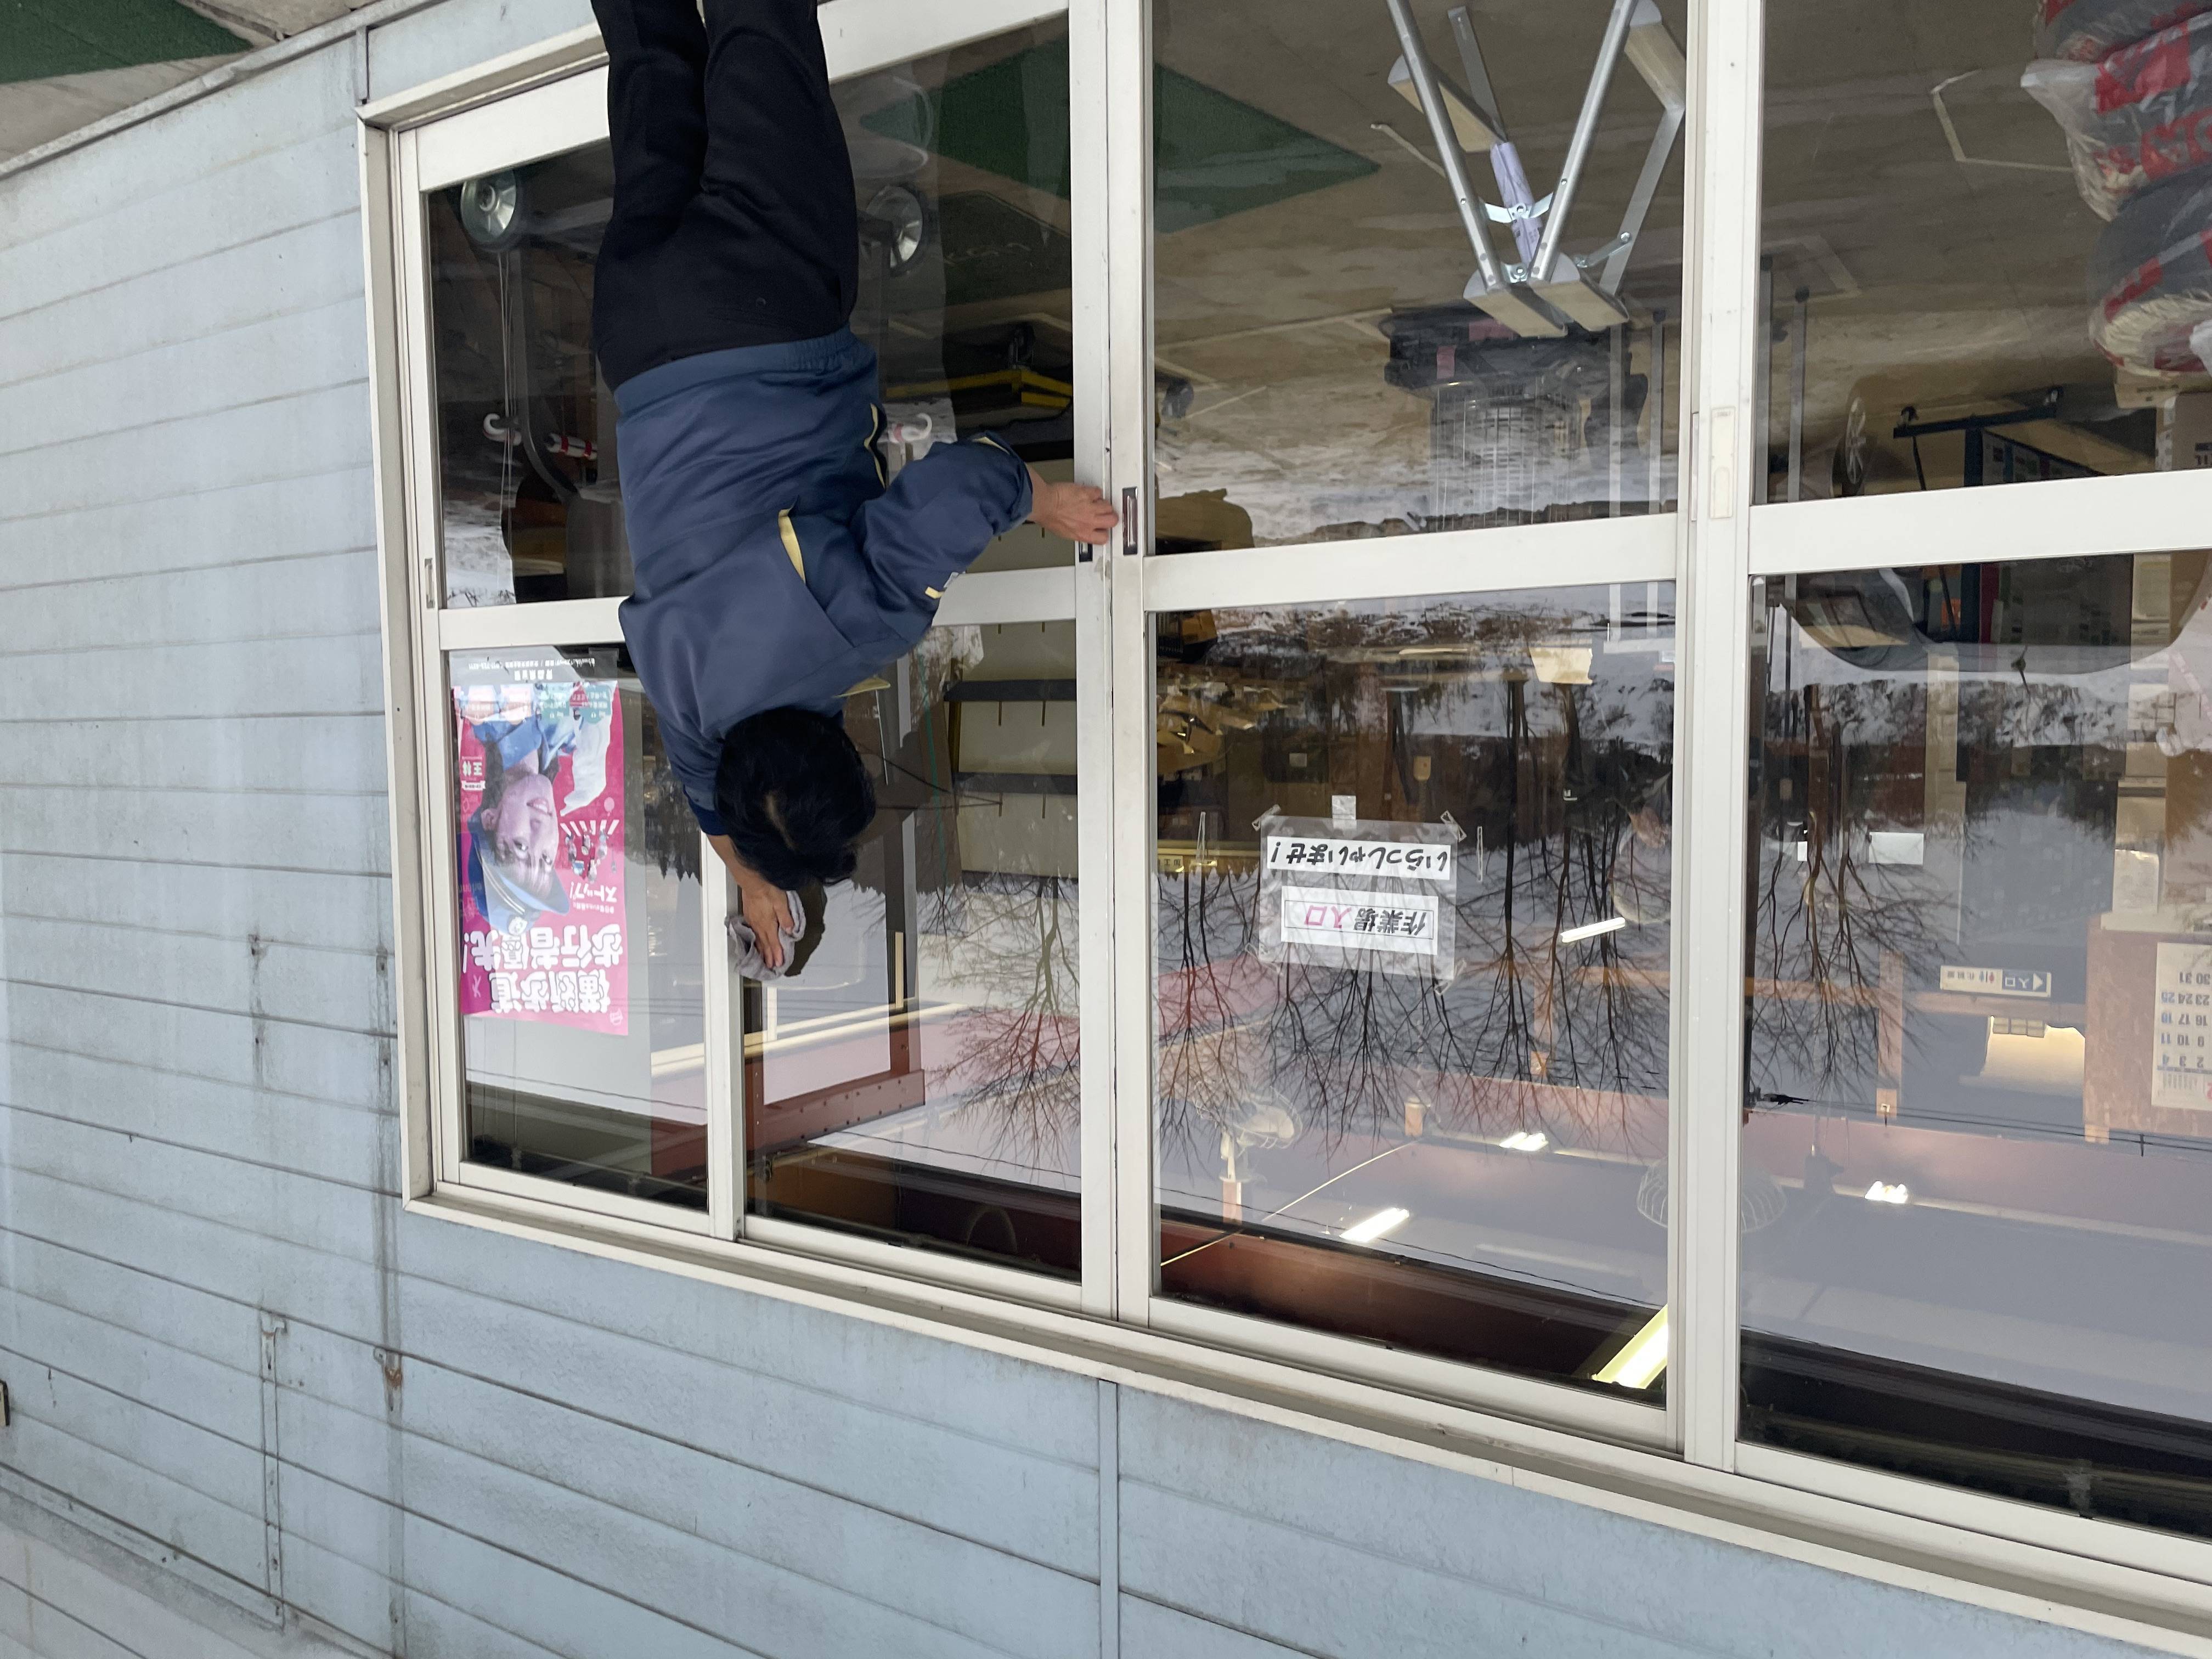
[(1345, 1049), (1852, 741), (1017, 1071), (1206, 920), (1524, 1031), (669, 836), (1820, 930)]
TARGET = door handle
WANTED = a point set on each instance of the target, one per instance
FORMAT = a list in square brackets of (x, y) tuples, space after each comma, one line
[(1129, 522)]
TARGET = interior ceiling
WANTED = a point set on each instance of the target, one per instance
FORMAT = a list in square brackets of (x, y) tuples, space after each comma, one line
[(1952, 279), (1272, 313), (1951, 285), (66, 64)]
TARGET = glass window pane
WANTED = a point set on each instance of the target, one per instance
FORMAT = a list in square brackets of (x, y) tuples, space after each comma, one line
[(1907, 357), (1321, 373), (529, 486), (583, 1023), (915, 1079), (961, 173), (1980, 1128), (1412, 924)]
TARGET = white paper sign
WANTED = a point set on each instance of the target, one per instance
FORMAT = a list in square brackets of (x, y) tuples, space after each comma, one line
[(1326, 855), (2181, 1033), (1404, 924)]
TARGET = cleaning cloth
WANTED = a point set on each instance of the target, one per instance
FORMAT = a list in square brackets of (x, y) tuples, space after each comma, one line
[(790, 926)]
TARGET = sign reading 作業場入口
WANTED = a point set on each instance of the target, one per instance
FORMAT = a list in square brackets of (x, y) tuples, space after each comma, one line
[(1403, 924)]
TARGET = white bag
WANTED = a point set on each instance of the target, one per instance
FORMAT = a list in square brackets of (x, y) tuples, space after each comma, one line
[(2086, 30), (2137, 117)]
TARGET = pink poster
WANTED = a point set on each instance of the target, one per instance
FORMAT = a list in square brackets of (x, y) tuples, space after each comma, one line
[(543, 925)]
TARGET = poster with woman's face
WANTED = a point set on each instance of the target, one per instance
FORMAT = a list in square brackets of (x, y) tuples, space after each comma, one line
[(543, 923)]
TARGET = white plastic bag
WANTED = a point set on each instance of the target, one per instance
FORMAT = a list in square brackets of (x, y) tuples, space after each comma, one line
[(2150, 279), (2086, 30), (2137, 117)]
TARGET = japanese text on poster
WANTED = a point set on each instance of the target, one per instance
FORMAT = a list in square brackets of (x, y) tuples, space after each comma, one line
[(2181, 1032), (542, 921), (1403, 924), (1323, 854)]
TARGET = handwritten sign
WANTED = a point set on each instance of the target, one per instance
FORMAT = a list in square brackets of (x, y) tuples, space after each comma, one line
[(2181, 1032), (1327, 855), (1402, 924)]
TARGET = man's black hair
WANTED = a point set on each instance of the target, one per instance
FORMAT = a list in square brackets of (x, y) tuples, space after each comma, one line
[(794, 794)]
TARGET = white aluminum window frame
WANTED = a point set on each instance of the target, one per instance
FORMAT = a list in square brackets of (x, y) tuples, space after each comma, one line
[(1583, 554), (1732, 543), (1684, 1464), (550, 114)]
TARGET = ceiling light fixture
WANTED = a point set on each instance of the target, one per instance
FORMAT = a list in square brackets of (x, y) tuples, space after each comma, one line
[(1381, 1222), (1526, 1140), (1641, 1358), (1591, 930)]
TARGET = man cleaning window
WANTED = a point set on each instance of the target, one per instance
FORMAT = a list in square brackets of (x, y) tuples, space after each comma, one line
[(774, 567)]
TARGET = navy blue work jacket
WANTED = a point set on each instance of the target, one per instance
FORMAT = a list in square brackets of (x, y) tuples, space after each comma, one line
[(774, 569)]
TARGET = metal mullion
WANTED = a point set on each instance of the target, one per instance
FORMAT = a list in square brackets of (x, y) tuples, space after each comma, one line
[(501, 627), (1092, 306), (1130, 417), (862, 36), (2059, 518), (1096, 843), (569, 110), (1589, 552), (588, 1200), (726, 1129), (905, 1262), (1621, 1420), (2171, 1555), (434, 748), (1723, 348), (382, 255), (563, 115)]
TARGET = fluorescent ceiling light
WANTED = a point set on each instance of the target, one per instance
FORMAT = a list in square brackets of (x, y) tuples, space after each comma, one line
[(1381, 1222), (1883, 1191), (1526, 1140), (1591, 930), (1641, 1358)]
